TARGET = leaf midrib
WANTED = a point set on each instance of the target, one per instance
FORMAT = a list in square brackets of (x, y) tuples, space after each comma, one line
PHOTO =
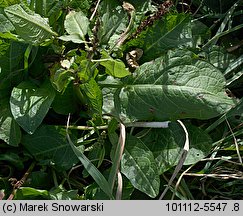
[(141, 172), (43, 26), (189, 88)]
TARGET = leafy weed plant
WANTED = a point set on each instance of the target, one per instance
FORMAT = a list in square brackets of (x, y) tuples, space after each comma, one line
[(121, 100)]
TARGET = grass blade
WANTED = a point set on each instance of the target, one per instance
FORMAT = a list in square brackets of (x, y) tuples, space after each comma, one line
[(217, 36), (226, 20), (91, 169)]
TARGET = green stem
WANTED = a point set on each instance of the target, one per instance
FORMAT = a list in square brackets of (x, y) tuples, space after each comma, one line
[(54, 178)]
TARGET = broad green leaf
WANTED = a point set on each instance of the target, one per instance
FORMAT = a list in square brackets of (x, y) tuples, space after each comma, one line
[(113, 21), (30, 104), (94, 95), (60, 193), (32, 28), (53, 11), (218, 57), (61, 79), (93, 192), (115, 68), (177, 85), (11, 61), (75, 38), (139, 166), (28, 193), (166, 145), (6, 3), (66, 102), (200, 33), (173, 31), (77, 25), (13, 158), (85, 72), (39, 179), (82, 5), (9, 129), (5, 24), (49, 143), (110, 84)]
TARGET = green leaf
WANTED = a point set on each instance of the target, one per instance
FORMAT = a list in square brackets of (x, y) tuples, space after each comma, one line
[(5, 24), (61, 79), (167, 143), (93, 171), (11, 61), (49, 143), (66, 102), (32, 28), (6, 3), (200, 33), (113, 21), (235, 111), (108, 98), (30, 104), (82, 5), (12, 158), (93, 191), (177, 85), (97, 153), (53, 10), (173, 31), (8, 35), (74, 38), (94, 94), (28, 193), (218, 57), (139, 166), (61, 194), (9, 129), (77, 25), (39, 180), (115, 68)]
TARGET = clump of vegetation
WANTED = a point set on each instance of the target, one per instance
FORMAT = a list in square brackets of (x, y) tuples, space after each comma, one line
[(121, 100)]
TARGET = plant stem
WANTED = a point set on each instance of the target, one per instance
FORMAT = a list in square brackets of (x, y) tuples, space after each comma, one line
[(134, 124)]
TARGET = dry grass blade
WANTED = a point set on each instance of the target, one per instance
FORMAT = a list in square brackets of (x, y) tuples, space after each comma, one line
[(238, 175), (236, 144), (181, 160), (95, 10), (119, 186), (117, 158)]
